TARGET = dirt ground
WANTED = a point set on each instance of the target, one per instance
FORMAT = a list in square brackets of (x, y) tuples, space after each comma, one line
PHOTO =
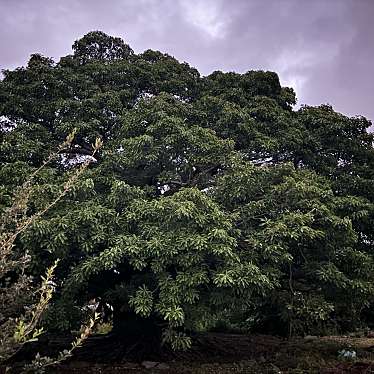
[(226, 353)]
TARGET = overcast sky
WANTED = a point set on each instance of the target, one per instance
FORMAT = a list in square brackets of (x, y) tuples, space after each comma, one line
[(324, 49)]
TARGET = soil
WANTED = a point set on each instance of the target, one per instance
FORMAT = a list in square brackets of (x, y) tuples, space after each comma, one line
[(215, 353)]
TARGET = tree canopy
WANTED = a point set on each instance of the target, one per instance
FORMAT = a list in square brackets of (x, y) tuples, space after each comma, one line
[(212, 199)]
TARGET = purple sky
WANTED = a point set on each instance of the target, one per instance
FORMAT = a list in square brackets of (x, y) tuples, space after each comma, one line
[(324, 49)]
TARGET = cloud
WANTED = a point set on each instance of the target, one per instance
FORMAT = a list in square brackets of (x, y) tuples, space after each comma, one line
[(324, 49), (205, 15)]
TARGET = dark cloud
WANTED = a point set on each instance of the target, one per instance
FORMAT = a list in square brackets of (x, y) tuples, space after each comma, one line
[(323, 48)]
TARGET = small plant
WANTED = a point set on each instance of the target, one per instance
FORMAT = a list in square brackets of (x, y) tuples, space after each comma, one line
[(22, 303), (104, 328), (40, 363), (348, 354)]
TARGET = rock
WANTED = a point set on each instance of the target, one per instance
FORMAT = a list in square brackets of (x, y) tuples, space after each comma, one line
[(149, 364), (163, 366), (310, 337)]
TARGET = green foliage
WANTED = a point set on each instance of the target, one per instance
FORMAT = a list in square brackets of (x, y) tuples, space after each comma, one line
[(211, 198)]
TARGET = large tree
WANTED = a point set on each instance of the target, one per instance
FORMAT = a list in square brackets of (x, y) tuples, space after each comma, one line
[(211, 197)]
